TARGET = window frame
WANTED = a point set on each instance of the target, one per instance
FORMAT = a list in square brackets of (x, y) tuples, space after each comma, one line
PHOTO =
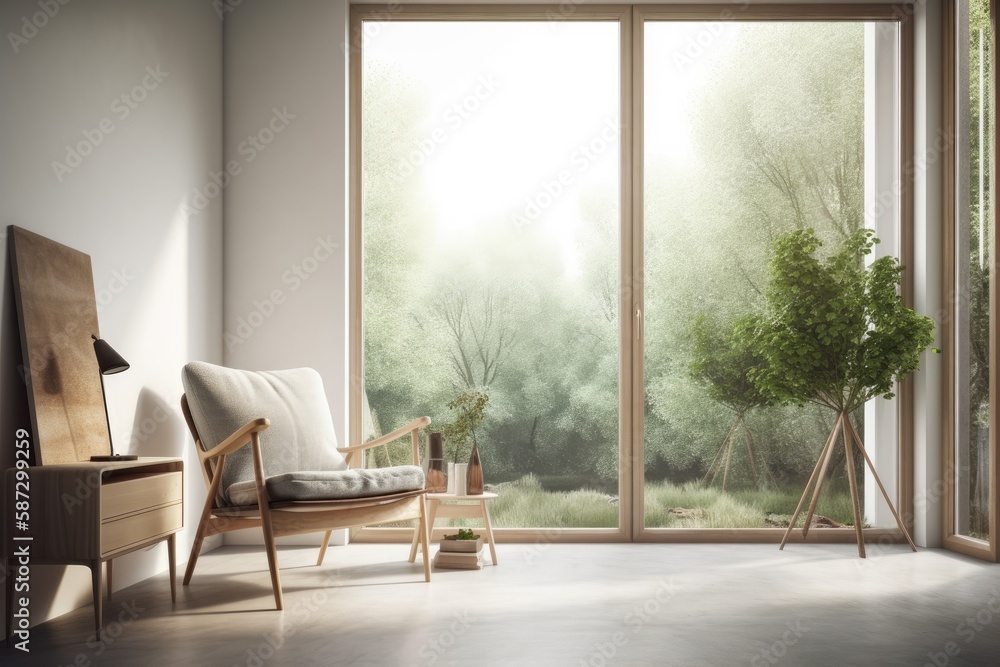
[(984, 549), (632, 19)]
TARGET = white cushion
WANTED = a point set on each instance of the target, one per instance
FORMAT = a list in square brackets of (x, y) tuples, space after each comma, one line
[(301, 436)]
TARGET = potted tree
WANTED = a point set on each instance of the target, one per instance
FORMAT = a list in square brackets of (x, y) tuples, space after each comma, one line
[(836, 333), (724, 359)]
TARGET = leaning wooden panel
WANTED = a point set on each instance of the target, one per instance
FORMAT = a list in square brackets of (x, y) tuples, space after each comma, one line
[(57, 312)]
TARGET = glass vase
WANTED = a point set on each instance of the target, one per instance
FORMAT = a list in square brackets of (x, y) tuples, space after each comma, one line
[(474, 476), (437, 479)]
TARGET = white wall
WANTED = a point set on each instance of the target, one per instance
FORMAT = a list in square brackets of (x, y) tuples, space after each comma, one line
[(286, 288), (928, 299), (156, 272)]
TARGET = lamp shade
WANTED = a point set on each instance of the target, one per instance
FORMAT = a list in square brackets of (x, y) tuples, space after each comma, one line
[(109, 361)]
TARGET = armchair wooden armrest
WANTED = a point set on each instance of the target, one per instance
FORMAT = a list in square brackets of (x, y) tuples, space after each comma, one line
[(239, 439), (410, 428)]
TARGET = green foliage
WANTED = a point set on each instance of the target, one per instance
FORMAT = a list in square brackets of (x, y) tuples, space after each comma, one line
[(787, 151), (835, 332), (725, 359), (469, 409), (463, 534), (524, 503), (980, 78)]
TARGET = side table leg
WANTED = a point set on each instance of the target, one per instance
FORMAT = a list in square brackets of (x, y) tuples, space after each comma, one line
[(109, 575), (433, 508), (489, 530), (172, 560), (95, 572)]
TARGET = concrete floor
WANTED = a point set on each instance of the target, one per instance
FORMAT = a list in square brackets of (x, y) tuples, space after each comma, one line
[(547, 604)]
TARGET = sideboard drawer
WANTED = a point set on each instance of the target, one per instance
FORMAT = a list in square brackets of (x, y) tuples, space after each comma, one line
[(138, 493), (141, 527)]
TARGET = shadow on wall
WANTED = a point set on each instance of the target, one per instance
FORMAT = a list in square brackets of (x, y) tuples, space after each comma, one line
[(158, 429)]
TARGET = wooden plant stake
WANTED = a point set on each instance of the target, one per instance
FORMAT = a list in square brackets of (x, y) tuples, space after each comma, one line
[(842, 427), (724, 456), (871, 466)]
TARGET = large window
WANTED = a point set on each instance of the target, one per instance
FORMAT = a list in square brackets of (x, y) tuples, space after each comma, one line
[(769, 127), (548, 204), (971, 464), (491, 251)]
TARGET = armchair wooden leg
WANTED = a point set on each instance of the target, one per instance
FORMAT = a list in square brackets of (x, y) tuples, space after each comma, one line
[(414, 542), (272, 555), (425, 538), (322, 549), (265, 519), (206, 516), (430, 513), (199, 539)]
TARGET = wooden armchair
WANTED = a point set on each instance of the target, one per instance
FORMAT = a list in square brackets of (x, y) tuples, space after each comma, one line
[(282, 472)]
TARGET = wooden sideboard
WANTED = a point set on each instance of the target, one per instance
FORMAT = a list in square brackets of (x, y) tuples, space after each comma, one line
[(89, 513)]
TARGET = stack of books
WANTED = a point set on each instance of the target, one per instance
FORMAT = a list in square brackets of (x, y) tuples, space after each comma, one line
[(451, 560), (460, 554)]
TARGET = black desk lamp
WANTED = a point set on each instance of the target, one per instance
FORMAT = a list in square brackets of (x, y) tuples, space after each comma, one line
[(109, 362)]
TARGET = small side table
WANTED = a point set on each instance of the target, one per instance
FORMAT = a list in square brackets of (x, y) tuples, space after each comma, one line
[(450, 506), (90, 513)]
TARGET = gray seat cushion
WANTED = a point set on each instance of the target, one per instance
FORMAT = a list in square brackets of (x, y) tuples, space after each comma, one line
[(331, 485), (301, 436)]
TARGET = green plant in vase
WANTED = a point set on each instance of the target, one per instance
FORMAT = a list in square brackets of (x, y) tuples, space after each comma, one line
[(469, 409)]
